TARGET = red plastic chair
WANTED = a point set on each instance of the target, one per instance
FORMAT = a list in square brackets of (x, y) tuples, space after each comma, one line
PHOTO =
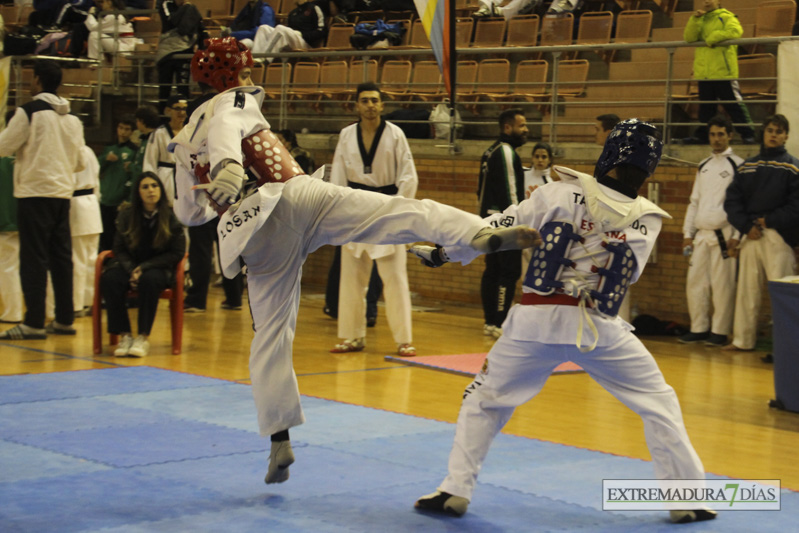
[(173, 294)]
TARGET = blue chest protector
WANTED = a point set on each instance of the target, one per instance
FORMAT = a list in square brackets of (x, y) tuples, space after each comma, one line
[(616, 277), (549, 259)]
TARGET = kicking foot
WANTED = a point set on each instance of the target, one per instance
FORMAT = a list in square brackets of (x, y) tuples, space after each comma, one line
[(280, 458), (443, 502), (406, 350), (490, 240), (697, 515), (349, 345), (22, 332)]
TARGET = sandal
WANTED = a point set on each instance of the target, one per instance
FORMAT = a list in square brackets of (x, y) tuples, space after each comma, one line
[(59, 329), (406, 350), (17, 334), (349, 345)]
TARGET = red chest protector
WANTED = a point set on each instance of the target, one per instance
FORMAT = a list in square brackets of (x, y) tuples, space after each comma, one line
[(265, 157)]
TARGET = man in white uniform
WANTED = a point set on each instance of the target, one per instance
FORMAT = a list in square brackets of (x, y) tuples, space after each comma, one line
[(276, 225), (85, 225), (157, 158), (763, 204), (709, 240), (597, 237), (374, 155)]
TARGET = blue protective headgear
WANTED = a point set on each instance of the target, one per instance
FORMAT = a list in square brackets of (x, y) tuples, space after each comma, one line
[(630, 142)]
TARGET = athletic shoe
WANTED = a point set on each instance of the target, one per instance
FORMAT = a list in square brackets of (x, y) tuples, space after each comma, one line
[(231, 307), (371, 321), (716, 340), (768, 358), (749, 140), (124, 346), (492, 331), (443, 502), (690, 337), (191, 309), (140, 348), (281, 456), (697, 515)]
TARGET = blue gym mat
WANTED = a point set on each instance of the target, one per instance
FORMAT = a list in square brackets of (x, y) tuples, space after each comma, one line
[(144, 449)]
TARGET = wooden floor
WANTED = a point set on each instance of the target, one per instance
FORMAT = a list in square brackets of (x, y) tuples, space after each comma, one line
[(724, 396)]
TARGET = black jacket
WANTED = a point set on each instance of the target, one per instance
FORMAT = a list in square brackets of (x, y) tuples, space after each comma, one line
[(145, 255), (766, 185), (501, 180)]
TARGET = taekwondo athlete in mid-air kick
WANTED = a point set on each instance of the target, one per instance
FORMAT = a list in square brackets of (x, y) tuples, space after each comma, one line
[(597, 235), (283, 216)]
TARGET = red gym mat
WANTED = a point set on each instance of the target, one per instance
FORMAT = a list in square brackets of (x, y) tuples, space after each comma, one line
[(466, 364)]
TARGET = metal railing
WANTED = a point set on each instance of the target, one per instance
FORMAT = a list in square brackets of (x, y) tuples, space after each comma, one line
[(284, 98)]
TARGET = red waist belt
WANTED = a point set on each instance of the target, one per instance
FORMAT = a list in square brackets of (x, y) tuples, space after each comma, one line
[(531, 298)]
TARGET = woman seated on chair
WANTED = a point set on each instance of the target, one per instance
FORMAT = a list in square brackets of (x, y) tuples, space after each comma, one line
[(148, 245)]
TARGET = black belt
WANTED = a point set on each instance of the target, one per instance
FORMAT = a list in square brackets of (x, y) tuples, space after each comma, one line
[(391, 190), (722, 244), (83, 192), (166, 165)]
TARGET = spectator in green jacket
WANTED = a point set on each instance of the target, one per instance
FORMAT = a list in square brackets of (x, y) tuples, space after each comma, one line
[(716, 69), (115, 163)]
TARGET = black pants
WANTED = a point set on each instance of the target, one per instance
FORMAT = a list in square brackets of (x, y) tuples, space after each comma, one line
[(115, 283), (45, 244), (201, 249), (169, 70), (722, 90), (202, 240), (109, 215), (498, 286), (331, 293)]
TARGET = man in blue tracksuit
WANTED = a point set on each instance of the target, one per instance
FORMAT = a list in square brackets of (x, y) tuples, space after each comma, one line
[(763, 204)]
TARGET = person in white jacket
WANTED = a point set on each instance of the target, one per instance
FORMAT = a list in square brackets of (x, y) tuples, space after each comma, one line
[(709, 241), (112, 33), (279, 223), (86, 225), (47, 141)]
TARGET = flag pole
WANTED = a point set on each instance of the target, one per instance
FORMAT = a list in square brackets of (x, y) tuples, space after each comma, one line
[(453, 71)]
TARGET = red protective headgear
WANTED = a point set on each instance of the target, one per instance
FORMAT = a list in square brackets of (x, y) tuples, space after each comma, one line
[(220, 63)]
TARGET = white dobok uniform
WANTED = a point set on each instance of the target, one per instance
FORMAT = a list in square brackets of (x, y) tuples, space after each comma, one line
[(115, 35), (536, 338), (85, 225), (711, 276), (392, 164), (158, 159), (10, 286), (511, 9), (276, 227)]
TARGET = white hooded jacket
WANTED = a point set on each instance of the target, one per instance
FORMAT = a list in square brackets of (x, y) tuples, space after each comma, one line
[(47, 141)]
